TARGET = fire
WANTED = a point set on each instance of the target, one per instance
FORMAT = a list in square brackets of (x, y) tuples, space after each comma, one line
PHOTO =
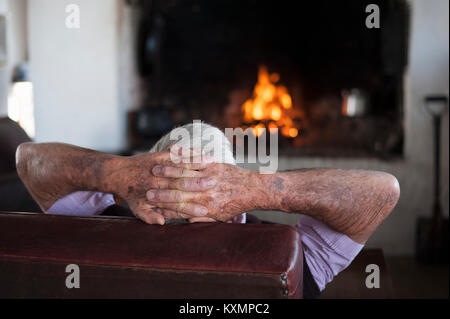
[(270, 107)]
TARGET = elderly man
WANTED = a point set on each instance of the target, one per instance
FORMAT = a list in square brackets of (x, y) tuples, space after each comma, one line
[(342, 208)]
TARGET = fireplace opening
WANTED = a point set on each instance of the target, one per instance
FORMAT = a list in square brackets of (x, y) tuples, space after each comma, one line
[(270, 107), (311, 69)]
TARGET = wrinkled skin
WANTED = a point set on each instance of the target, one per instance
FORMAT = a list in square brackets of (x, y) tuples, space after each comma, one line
[(353, 202), (231, 196), (131, 177), (51, 171)]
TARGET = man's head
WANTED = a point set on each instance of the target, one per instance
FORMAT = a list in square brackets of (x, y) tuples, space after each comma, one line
[(198, 135), (203, 136)]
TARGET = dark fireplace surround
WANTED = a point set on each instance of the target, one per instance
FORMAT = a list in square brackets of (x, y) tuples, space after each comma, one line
[(200, 59)]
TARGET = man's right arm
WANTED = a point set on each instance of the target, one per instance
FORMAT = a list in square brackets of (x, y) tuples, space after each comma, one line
[(51, 171)]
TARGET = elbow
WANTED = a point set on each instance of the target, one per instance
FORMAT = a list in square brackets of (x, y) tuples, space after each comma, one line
[(23, 155), (392, 193), (394, 188), (385, 192)]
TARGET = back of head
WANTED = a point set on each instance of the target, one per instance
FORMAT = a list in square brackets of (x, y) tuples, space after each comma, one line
[(198, 135), (201, 135)]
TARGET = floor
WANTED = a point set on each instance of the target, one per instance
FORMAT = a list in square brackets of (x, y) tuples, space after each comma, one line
[(351, 283), (412, 280), (399, 277)]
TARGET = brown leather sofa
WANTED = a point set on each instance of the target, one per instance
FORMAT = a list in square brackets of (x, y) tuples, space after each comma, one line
[(11, 135), (13, 194), (121, 257)]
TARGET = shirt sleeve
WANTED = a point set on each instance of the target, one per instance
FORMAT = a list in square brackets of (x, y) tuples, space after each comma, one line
[(327, 252), (239, 219), (82, 203)]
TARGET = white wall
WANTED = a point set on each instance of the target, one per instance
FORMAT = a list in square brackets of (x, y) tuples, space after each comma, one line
[(75, 74), (16, 33), (131, 86), (3, 68), (427, 74)]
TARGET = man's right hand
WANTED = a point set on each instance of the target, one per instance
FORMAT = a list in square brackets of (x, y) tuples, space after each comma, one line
[(51, 171)]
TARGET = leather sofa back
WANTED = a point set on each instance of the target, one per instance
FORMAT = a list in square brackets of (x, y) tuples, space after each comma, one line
[(11, 135), (121, 257)]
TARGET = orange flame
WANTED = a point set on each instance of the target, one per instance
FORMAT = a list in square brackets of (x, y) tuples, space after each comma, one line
[(270, 103)]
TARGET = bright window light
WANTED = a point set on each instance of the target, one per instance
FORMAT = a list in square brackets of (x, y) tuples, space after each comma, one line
[(21, 106)]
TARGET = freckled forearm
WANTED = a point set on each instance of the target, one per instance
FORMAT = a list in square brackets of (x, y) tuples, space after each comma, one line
[(353, 202), (52, 170)]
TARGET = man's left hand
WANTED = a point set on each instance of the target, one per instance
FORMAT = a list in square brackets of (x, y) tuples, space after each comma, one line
[(231, 193)]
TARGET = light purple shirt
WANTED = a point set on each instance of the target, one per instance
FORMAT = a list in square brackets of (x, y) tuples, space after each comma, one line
[(327, 252)]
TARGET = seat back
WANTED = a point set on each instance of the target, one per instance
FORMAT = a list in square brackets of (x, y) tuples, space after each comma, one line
[(11, 135), (121, 257)]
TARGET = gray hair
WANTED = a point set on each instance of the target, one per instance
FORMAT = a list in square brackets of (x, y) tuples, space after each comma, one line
[(206, 137), (201, 135)]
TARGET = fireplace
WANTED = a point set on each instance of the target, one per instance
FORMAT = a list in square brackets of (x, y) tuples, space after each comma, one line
[(311, 69)]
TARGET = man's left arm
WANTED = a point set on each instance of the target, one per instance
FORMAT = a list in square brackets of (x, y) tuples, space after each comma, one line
[(352, 202)]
